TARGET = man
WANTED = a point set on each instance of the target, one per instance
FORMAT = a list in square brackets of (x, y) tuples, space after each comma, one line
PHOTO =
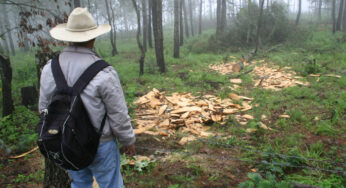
[(103, 95)]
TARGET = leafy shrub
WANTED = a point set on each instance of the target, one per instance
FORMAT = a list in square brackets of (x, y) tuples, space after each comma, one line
[(18, 130)]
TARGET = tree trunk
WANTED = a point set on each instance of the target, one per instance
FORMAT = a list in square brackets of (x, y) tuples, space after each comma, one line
[(54, 176), (150, 24), (320, 10), (158, 34), (259, 24), (8, 27), (2, 30), (41, 59), (338, 22), (110, 20), (114, 29), (210, 10), (145, 24), (223, 16), (6, 80), (181, 23), (140, 46), (344, 19), (176, 29), (333, 16), (218, 17), (299, 12), (76, 3), (200, 17), (185, 19), (191, 18)]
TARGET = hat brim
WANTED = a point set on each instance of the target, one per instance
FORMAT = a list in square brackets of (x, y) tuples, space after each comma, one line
[(61, 33)]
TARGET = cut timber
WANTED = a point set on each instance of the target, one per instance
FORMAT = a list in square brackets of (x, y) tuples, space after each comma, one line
[(184, 140), (333, 75), (234, 96)]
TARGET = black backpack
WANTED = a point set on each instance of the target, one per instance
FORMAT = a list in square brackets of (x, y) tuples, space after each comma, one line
[(65, 132)]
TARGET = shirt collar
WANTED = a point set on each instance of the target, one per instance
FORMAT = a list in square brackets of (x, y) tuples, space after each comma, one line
[(79, 49)]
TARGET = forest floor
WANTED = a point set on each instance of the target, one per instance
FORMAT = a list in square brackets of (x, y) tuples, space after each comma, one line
[(307, 145)]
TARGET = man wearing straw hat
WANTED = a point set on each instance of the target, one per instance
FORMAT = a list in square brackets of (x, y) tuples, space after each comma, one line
[(102, 95)]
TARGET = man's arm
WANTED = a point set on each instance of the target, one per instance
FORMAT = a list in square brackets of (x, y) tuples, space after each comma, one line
[(112, 95)]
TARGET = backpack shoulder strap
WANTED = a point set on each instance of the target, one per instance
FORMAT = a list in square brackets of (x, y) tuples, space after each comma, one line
[(58, 74), (88, 75)]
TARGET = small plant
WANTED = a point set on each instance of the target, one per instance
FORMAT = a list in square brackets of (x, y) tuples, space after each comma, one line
[(257, 181)]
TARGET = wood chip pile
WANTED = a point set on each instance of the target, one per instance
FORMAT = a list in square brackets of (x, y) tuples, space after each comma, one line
[(158, 114), (276, 78), (265, 76)]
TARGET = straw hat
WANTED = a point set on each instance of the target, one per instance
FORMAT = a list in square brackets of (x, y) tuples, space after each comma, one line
[(80, 27)]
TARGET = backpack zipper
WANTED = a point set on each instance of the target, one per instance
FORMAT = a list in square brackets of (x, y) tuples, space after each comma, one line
[(63, 132)]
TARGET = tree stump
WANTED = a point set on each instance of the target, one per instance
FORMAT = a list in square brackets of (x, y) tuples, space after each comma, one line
[(6, 79), (29, 95)]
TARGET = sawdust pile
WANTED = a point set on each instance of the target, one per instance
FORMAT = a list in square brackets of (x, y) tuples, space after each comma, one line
[(276, 78), (158, 114)]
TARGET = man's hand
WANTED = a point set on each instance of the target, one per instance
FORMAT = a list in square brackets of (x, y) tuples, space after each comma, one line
[(128, 150)]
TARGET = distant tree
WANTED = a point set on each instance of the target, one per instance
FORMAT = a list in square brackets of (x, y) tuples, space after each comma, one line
[(176, 29), (110, 18), (181, 23), (200, 17), (333, 16), (218, 17), (138, 36), (344, 19), (191, 18), (6, 81), (339, 20), (223, 21), (299, 12), (158, 33), (2, 35), (185, 19), (319, 10), (150, 24), (145, 24), (259, 25)]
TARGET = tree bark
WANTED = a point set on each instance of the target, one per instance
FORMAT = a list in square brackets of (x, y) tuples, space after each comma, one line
[(2, 30), (333, 16), (210, 10), (223, 22), (140, 46), (54, 176), (259, 24), (344, 19), (191, 18), (200, 17), (181, 23), (8, 27), (218, 17), (110, 20), (158, 34), (185, 19), (338, 22), (145, 24), (6, 79), (76, 3), (150, 41), (299, 12), (176, 29)]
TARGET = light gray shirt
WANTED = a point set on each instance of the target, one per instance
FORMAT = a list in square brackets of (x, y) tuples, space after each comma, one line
[(104, 93)]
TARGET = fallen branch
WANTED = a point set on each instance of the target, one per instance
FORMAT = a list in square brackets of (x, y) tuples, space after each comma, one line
[(24, 154)]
